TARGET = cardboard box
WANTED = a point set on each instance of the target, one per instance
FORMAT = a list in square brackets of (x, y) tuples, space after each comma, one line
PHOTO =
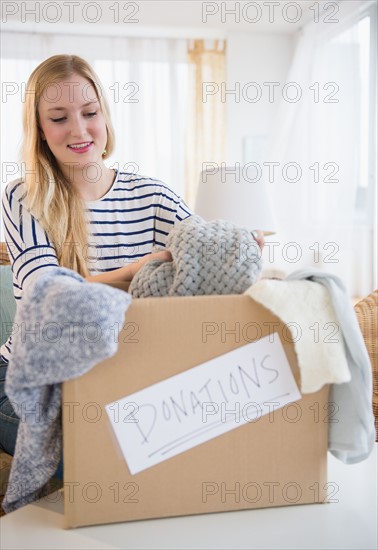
[(276, 461)]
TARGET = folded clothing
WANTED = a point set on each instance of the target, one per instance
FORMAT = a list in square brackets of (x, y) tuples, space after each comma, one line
[(306, 308), (351, 433), (63, 327), (214, 257)]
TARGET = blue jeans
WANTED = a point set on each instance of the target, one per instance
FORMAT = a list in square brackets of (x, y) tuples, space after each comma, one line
[(9, 421)]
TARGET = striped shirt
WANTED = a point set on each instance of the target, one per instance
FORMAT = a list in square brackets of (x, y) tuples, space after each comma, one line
[(136, 214)]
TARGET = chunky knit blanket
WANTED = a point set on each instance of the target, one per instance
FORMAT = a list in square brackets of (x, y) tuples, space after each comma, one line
[(214, 257)]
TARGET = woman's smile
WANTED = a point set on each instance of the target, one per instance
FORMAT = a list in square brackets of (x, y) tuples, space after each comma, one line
[(81, 147)]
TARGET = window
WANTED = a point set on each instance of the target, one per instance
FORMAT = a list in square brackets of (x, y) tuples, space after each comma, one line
[(362, 35)]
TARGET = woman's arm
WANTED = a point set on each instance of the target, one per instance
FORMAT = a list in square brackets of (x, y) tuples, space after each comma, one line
[(30, 250), (127, 272)]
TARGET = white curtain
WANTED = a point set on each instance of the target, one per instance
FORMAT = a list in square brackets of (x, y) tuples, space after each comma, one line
[(145, 81), (322, 139)]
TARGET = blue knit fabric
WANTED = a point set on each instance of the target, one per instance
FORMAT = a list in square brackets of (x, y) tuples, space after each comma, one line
[(64, 326)]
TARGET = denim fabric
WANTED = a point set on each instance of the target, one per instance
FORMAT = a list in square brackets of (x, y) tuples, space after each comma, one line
[(8, 418)]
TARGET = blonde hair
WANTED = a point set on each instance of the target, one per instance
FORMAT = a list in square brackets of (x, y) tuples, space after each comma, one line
[(50, 197)]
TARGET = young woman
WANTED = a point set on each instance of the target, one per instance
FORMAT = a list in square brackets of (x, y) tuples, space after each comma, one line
[(69, 208)]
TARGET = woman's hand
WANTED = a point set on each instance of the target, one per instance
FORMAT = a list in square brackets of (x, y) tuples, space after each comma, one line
[(127, 272), (259, 237), (164, 256)]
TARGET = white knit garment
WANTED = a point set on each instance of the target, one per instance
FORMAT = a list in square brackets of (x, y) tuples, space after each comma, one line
[(305, 304)]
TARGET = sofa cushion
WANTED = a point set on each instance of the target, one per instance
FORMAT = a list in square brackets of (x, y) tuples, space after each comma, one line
[(8, 303)]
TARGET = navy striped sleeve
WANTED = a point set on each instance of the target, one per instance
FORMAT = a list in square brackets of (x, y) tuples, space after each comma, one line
[(29, 248)]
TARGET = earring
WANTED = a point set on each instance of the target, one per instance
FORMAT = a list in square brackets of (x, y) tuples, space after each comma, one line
[(104, 152)]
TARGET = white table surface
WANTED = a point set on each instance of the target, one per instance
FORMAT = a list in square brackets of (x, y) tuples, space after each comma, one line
[(350, 523)]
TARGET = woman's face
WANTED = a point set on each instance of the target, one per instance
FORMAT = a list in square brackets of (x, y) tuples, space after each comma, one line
[(72, 123)]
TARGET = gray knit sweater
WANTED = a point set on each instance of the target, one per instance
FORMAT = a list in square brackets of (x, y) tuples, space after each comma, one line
[(65, 327)]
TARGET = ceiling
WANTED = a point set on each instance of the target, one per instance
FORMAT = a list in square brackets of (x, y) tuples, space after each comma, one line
[(247, 15), (218, 17)]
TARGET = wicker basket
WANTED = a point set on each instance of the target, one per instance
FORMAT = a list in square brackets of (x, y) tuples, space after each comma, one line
[(367, 315), (4, 258)]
